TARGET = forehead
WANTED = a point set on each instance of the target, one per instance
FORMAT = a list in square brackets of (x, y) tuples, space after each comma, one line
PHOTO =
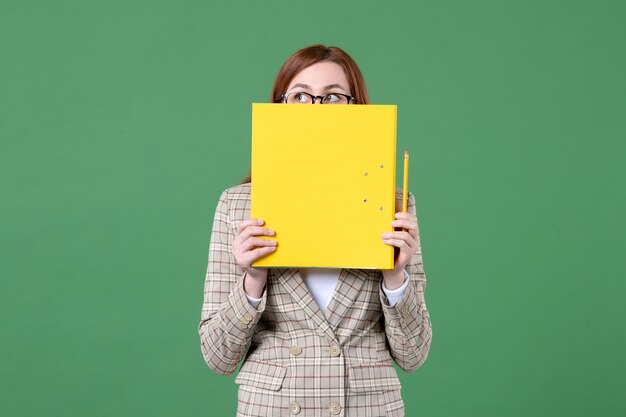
[(321, 74)]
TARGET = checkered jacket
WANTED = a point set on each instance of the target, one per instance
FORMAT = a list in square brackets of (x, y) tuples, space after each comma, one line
[(297, 359)]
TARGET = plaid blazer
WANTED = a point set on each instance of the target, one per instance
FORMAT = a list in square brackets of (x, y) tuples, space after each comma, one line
[(297, 359)]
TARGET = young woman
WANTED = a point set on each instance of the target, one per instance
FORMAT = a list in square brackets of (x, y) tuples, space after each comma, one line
[(315, 342)]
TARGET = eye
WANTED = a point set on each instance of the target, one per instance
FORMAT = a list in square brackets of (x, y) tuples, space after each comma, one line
[(301, 98), (332, 98)]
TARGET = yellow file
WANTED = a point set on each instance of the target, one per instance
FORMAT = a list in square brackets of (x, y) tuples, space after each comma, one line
[(324, 178)]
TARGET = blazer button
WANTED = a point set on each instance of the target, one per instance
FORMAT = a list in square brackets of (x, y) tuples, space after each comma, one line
[(294, 407), (335, 408), (295, 350), (246, 318), (335, 350)]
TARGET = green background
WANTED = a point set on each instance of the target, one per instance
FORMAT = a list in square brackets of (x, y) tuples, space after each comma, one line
[(122, 121)]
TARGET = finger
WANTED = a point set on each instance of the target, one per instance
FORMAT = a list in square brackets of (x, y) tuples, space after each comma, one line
[(253, 231), (399, 235), (254, 242), (255, 254), (405, 224), (403, 215), (410, 228), (398, 243), (249, 222)]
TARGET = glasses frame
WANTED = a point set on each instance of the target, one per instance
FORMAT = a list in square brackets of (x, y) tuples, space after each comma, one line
[(321, 98)]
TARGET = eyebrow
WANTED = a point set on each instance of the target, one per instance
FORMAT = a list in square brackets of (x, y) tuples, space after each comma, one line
[(326, 88)]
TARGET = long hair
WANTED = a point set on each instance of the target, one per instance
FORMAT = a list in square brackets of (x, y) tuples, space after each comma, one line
[(313, 54)]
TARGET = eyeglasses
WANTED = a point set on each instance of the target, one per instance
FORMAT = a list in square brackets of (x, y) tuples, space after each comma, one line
[(306, 98)]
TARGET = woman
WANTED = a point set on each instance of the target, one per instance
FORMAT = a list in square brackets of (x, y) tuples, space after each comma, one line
[(316, 341)]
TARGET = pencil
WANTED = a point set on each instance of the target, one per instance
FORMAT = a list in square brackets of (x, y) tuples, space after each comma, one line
[(405, 185)]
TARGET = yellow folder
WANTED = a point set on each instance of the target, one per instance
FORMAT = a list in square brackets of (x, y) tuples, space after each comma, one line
[(324, 178)]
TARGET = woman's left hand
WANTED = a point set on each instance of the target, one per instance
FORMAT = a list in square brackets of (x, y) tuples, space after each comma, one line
[(406, 241)]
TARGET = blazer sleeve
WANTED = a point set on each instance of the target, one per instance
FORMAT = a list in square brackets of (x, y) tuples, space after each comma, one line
[(407, 324), (228, 320)]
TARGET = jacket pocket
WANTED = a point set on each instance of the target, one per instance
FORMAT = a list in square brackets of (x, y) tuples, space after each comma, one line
[(373, 377), (263, 375)]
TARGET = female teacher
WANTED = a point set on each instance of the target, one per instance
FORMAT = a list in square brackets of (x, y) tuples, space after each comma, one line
[(317, 341)]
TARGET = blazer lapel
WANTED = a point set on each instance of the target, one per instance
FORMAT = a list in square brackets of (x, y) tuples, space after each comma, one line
[(293, 282), (350, 283)]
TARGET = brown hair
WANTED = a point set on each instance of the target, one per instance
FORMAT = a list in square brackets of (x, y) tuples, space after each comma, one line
[(313, 54)]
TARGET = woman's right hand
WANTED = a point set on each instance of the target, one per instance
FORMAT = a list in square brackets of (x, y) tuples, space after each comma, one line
[(247, 248)]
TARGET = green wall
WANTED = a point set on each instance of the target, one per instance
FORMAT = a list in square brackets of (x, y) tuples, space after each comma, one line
[(122, 121)]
